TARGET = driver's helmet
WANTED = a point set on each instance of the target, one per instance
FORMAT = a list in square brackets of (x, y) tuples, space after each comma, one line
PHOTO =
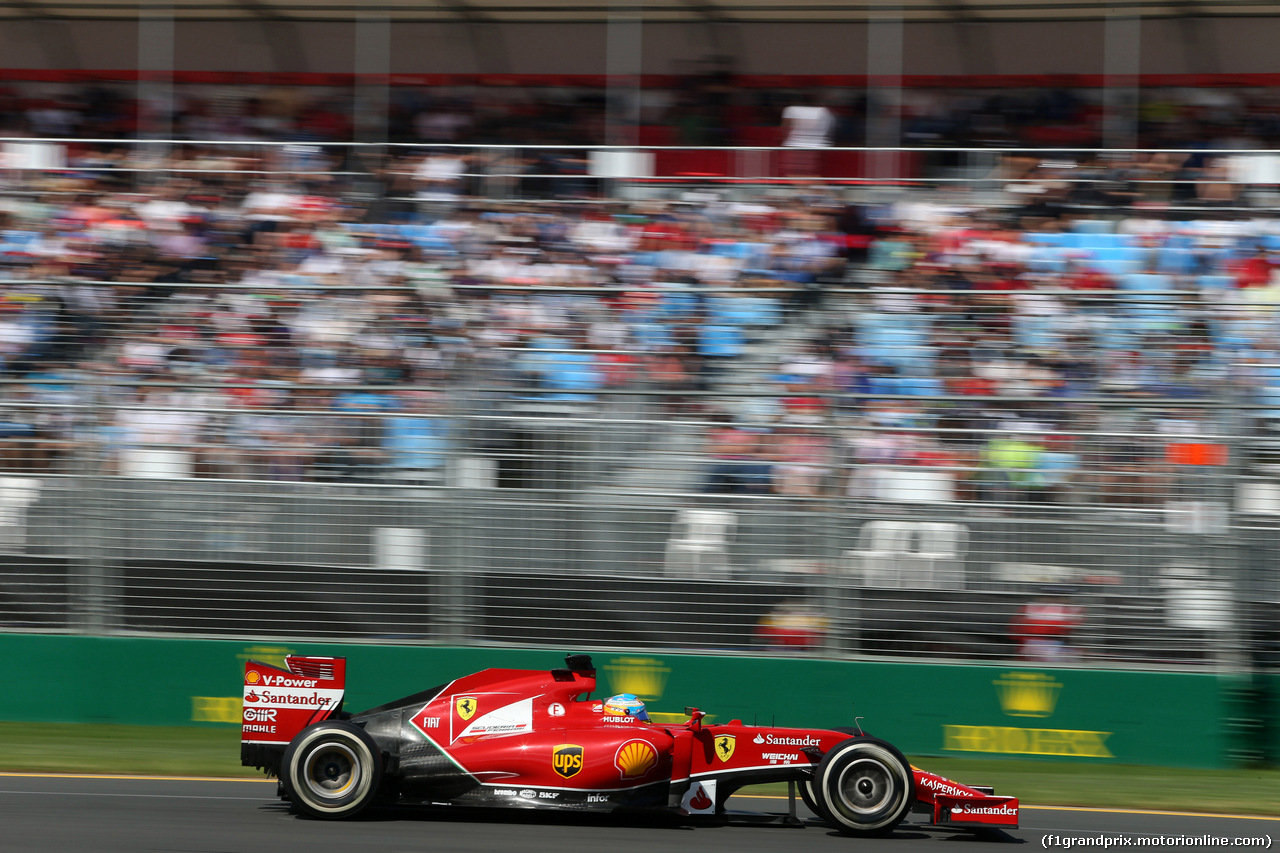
[(625, 705)]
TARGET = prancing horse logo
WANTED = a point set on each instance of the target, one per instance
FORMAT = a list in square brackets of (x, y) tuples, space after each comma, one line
[(466, 706), (725, 745)]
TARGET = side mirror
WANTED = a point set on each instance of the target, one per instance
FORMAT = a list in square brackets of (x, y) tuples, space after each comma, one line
[(695, 718), (580, 663)]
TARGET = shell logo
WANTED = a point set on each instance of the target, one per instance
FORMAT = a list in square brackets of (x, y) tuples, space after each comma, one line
[(251, 677), (635, 758)]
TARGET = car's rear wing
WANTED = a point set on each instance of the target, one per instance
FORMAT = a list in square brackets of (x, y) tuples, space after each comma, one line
[(279, 703)]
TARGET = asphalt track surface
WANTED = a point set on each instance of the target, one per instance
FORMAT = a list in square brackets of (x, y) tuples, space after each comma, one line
[(95, 814)]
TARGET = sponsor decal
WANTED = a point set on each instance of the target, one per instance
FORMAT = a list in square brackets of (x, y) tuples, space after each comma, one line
[(964, 810), (784, 757), (466, 707), (505, 792), (495, 729), (635, 758), (1027, 694), (515, 718), (566, 759), (942, 786), (1015, 741), (700, 798), (597, 798), (758, 739), (725, 745), (773, 740), (548, 795), (426, 719), (422, 722), (273, 705), (288, 681), (555, 709), (529, 794), (294, 698)]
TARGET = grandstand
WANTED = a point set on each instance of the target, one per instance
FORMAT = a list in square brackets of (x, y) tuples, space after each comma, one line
[(419, 340)]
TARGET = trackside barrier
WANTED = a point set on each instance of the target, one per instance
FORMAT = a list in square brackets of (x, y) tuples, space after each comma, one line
[(1153, 718), (1269, 713)]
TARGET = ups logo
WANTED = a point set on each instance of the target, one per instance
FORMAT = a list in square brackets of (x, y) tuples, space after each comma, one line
[(566, 759)]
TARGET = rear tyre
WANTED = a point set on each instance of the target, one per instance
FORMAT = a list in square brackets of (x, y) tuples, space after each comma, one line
[(331, 770), (864, 787)]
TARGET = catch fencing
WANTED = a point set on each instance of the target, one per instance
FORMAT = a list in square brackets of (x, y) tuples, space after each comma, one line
[(610, 520)]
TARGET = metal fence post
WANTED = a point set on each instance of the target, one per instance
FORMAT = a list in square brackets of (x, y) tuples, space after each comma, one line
[(91, 601)]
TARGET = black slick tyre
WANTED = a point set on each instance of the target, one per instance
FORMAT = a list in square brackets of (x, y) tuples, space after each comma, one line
[(810, 798), (806, 785), (331, 770), (864, 786)]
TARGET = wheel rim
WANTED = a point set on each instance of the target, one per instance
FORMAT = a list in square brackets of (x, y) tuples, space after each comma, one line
[(331, 771), (866, 786)]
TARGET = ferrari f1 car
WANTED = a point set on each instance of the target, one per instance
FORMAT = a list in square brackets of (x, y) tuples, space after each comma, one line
[(536, 739)]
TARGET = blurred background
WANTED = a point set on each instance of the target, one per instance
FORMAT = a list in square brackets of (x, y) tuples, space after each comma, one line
[(929, 331)]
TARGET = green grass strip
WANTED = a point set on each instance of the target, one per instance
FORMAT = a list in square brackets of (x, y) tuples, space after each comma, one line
[(144, 750), (178, 751)]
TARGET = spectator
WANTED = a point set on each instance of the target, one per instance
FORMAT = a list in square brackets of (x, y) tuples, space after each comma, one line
[(1055, 478), (418, 440), (1012, 458), (355, 447), (804, 463), (254, 285), (793, 625), (439, 176), (1044, 626), (158, 433), (808, 128), (672, 372), (738, 462)]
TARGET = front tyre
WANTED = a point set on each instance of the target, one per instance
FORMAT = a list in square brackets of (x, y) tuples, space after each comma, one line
[(807, 791), (331, 770), (810, 797), (864, 786)]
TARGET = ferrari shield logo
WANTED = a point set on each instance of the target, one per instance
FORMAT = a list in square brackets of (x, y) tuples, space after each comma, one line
[(466, 707), (725, 745), (566, 759)]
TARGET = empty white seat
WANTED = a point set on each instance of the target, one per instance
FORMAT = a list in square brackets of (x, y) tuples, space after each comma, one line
[(698, 547), (910, 555), (16, 495)]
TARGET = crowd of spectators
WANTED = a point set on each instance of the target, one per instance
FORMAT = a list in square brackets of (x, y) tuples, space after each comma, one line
[(233, 324), (711, 108)]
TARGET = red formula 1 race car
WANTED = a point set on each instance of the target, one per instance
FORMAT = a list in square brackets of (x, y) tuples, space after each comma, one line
[(536, 739)]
